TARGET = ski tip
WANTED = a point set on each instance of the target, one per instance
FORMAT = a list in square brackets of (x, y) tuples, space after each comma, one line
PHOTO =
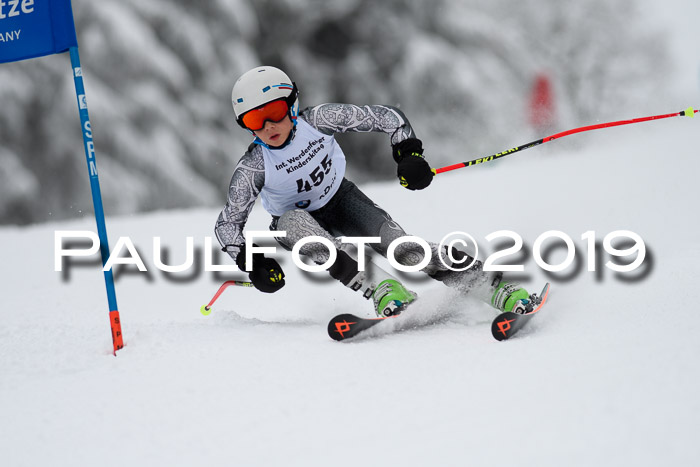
[(502, 326), (340, 327), (347, 325)]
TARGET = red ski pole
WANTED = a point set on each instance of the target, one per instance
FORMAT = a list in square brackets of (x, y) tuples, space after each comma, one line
[(689, 112), (206, 309)]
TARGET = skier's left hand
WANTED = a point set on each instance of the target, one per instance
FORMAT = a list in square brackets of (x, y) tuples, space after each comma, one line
[(266, 273), (413, 170)]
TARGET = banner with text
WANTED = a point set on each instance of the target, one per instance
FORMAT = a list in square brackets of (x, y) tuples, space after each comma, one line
[(33, 28)]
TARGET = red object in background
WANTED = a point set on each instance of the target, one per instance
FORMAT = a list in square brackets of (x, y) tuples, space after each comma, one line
[(541, 109)]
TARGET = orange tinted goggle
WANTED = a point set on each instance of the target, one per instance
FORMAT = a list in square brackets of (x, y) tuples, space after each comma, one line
[(274, 111)]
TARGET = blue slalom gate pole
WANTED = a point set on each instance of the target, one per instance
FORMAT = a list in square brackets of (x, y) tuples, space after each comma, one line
[(89, 147), (35, 29)]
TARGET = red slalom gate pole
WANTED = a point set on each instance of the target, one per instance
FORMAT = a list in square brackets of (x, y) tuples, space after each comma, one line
[(689, 112)]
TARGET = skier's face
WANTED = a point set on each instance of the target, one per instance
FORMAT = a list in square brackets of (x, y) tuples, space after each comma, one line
[(275, 134)]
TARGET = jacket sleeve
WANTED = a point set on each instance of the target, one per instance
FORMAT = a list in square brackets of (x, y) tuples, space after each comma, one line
[(246, 183), (341, 118)]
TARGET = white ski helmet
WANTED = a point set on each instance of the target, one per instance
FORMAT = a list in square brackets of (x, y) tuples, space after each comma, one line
[(261, 85)]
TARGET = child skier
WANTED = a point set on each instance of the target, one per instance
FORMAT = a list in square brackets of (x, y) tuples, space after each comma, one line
[(297, 168)]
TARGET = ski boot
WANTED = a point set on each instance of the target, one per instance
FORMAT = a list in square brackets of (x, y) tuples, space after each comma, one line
[(391, 298), (511, 297)]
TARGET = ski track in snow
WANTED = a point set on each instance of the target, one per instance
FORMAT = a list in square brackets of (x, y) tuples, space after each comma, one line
[(606, 374)]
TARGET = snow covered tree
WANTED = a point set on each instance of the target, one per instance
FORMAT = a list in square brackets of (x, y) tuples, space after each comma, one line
[(159, 74)]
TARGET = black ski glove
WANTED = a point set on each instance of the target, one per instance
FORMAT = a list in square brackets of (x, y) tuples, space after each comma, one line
[(266, 274), (413, 170)]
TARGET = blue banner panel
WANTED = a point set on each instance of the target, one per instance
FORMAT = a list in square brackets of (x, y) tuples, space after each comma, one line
[(33, 28)]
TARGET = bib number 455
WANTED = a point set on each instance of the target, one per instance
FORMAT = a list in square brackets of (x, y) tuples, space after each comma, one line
[(316, 176)]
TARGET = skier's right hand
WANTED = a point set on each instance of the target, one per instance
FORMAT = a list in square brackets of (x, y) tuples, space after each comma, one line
[(266, 273)]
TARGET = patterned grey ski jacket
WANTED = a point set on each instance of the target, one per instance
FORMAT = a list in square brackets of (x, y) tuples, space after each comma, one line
[(254, 176)]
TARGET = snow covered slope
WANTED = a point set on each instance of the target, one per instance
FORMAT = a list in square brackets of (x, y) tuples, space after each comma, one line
[(605, 375)]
